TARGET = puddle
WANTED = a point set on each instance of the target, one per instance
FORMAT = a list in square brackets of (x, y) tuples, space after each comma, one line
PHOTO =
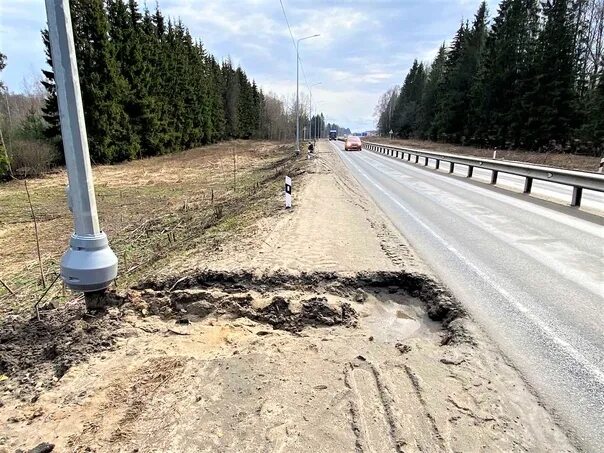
[(391, 321)]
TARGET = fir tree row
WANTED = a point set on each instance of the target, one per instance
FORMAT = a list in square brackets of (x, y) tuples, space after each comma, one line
[(533, 80), (149, 88)]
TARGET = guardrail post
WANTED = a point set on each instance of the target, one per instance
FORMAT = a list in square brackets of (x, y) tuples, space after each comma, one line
[(576, 199), (575, 179), (494, 174)]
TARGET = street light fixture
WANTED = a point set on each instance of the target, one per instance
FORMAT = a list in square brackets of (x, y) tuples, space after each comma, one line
[(298, 90)]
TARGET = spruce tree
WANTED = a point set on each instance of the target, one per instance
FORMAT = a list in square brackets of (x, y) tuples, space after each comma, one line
[(508, 60), (50, 109), (149, 88), (552, 99), (429, 101), (408, 103), (450, 93)]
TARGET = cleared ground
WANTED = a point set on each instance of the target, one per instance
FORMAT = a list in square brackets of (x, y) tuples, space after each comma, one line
[(152, 210), (312, 329)]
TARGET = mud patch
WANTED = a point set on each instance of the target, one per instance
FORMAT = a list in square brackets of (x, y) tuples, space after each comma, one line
[(35, 354), (439, 303)]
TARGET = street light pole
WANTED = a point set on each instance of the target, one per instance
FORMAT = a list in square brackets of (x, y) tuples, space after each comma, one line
[(89, 264), (310, 108), (298, 90)]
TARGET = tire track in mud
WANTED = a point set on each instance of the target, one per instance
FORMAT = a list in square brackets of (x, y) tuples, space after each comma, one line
[(437, 436), (371, 406)]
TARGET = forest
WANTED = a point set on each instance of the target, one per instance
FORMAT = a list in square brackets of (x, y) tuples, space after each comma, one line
[(531, 78), (148, 88)]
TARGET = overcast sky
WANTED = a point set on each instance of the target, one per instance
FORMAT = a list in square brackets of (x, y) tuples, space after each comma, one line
[(365, 47)]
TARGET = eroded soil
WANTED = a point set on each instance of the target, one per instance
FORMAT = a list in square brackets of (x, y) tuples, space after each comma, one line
[(316, 330)]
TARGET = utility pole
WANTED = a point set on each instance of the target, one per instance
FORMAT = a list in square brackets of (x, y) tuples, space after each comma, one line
[(89, 264), (310, 107), (298, 90)]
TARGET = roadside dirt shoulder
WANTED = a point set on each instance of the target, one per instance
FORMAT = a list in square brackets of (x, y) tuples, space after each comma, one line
[(314, 330)]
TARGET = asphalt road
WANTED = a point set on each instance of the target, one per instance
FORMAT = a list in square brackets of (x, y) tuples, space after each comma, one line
[(531, 273)]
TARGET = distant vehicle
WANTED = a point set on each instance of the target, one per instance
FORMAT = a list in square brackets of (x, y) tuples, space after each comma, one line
[(353, 143), (333, 134)]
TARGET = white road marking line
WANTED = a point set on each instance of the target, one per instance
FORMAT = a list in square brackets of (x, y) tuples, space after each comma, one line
[(583, 225), (569, 272), (591, 369)]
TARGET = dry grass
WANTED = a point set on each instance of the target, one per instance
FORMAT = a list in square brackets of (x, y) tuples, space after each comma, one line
[(568, 161), (150, 209)]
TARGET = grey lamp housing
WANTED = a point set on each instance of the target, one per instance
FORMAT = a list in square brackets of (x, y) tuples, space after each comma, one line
[(89, 264)]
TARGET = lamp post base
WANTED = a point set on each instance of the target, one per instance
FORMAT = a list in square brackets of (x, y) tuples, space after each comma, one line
[(89, 264)]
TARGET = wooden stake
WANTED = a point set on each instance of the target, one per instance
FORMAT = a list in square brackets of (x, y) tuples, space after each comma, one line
[(7, 287), (33, 215), (234, 172)]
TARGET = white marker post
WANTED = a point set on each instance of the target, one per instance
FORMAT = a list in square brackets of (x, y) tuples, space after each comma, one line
[(601, 168), (288, 192)]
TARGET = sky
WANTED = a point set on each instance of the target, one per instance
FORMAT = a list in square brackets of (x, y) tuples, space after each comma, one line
[(365, 46)]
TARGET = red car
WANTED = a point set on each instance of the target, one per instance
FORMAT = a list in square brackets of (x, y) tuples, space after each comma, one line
[(353, 143)]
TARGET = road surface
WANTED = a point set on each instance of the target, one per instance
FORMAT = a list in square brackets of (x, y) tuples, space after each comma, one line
[(531, 274)]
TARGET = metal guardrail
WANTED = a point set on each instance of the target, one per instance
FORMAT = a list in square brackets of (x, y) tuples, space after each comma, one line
[(578, 180)]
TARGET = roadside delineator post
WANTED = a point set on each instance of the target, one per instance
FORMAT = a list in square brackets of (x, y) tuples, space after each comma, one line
[(601, 167), (288, 192)]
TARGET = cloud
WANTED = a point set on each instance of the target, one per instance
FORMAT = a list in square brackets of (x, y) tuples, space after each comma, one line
[(365, 47)]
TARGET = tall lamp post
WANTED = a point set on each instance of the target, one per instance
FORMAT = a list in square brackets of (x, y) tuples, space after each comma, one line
[(89, 264), (298, 90), (310, 109)]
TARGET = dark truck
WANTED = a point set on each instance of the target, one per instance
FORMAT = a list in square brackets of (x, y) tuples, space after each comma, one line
[(333, 134)]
